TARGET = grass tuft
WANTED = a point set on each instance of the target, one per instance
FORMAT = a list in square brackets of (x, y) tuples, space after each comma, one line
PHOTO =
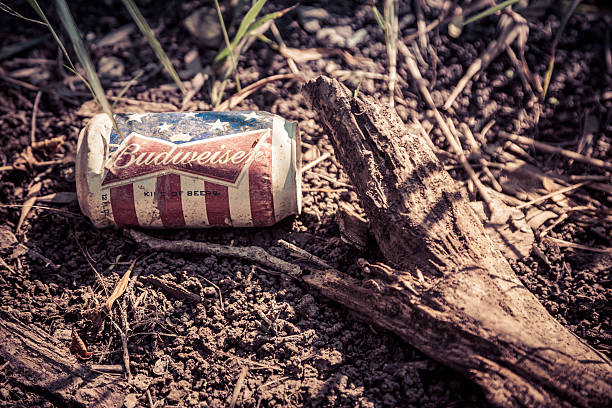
[(79, 48), (148, 33)]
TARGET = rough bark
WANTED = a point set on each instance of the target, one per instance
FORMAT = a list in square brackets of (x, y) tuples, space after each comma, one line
[(40, 363), (451, 293)]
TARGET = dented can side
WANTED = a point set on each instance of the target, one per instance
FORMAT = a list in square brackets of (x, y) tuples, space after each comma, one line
[(189, 170)]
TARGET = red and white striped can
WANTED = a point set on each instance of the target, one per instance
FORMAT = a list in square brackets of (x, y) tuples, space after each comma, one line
[(189, 169)]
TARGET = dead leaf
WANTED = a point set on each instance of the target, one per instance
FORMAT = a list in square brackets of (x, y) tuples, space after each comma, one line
[(120, 288), (78, 348), (49, 146), (26, 160), (29, 202), (536, 217)]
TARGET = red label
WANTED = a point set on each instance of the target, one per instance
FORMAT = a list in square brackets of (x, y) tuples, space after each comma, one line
[(221, 158)]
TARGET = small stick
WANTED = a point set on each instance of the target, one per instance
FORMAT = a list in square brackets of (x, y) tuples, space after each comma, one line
[(282, 46), (555, 150), (218, 291), (421, 27), (238, 387), (558, 221), (248, 253), (391, 44), (7, 266), (568, 244), (239, 96), (330, 179), (173, 289), (37, 255), (506, 37), (324, 190), (107, 368), (471, 141), (34, 112), (522, 70), (424, 133), (304, 254), (549, 195), (124, 341), (316, 161), (485, 130), (150, 399), (248, 361)]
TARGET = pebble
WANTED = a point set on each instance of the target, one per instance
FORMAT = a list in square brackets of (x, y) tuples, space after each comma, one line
[(316, 13), (131, 401), (329, 37), (311, 26), (111, 67), (357, 38), (203, 25)]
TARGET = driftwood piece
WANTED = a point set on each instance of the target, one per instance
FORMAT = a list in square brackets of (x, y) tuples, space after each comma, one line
[(40, 363), (469, 311)]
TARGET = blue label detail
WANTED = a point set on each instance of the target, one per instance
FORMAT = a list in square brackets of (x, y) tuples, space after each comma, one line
[(184, 127)]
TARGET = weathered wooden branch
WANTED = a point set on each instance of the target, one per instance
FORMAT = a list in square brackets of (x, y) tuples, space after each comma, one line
[(452, 294), (38, 362)]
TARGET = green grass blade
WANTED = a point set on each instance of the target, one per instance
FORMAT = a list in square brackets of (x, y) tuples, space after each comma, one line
[(248, 19), (553, 50), (490, 10), (379, 19), (79, 48), (254, 26), (228, 46), (159, 51)]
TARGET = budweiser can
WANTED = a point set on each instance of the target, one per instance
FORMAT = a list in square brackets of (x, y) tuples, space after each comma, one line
[(189, 169)]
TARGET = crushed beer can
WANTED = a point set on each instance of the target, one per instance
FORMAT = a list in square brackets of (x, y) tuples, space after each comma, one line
[(189, 169)]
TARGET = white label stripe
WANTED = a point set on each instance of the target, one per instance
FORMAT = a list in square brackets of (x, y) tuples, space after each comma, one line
[(145, 203), (193, 199), (240, 203)]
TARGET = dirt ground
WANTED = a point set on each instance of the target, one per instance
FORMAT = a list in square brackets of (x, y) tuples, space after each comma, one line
[(299, 349)]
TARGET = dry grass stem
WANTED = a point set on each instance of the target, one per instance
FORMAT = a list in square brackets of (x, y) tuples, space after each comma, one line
[(315, 162)]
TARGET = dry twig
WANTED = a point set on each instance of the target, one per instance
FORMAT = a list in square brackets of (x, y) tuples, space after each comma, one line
[(248, 253), (304, 254), (555, 150)]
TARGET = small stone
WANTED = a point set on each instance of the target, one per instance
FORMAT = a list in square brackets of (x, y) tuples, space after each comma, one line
[(203, 25), (344, 31), (63, 334), (406, 21), (311, 26), (357, 38), (209, 291), (175, 395), (316, 13), (141, 382), (161, 365), (131, 401), (330, 38), (111, 67)]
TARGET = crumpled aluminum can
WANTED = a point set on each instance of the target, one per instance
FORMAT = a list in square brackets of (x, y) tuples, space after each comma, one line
[(189, 169)]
